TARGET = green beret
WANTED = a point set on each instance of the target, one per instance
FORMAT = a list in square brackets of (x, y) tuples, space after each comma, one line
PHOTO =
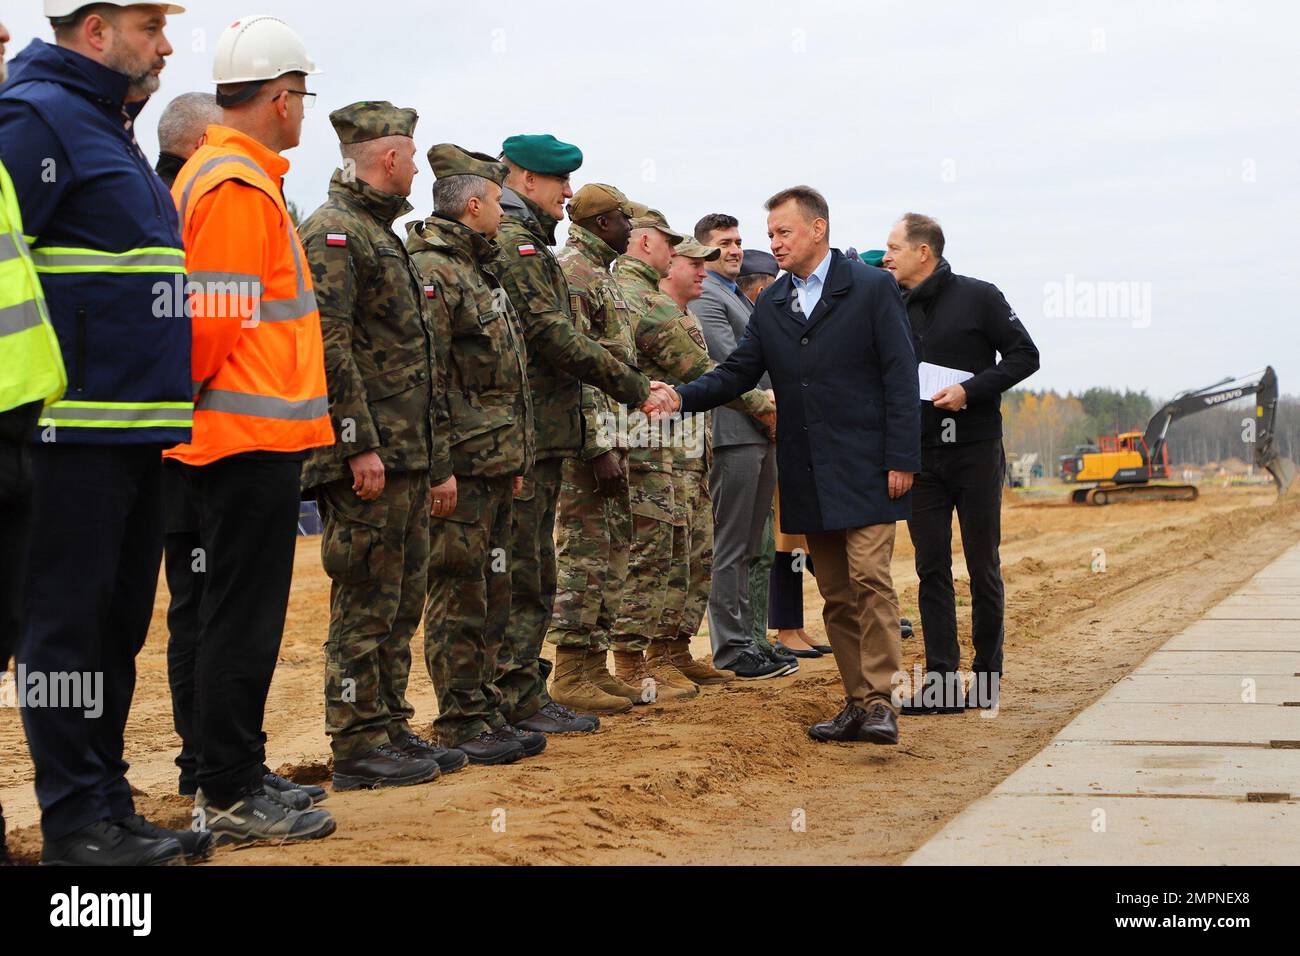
[(873, 257), (543, 154), (372, 119), (448, 159)]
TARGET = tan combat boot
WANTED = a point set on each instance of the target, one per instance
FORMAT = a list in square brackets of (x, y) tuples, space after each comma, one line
[(570, 686), (699, 672), (666, 674), (610, 684), (631, 667)]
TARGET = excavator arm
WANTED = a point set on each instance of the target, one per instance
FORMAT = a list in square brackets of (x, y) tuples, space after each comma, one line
[(1263, 385)]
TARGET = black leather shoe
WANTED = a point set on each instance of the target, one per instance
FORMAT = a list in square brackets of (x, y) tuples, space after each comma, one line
[(105, 843), (384, 766), (557, 719), (283, 786), (449, 759), (533, 741), (823, 649), (491, 747), (197, 844), (875, 725)]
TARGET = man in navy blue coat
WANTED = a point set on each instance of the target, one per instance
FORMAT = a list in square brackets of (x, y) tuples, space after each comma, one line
[(833, 335)]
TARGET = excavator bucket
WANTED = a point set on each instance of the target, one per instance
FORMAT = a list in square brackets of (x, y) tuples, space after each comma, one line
[(1283, 471)]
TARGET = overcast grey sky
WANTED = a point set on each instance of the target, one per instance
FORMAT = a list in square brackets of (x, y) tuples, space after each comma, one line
[(1153, 147)]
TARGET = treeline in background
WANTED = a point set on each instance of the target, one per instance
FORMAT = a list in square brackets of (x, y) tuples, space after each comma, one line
[(1052, 424)]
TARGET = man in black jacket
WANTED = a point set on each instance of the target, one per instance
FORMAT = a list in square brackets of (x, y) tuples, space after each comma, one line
[(833, 336), (961, 324)]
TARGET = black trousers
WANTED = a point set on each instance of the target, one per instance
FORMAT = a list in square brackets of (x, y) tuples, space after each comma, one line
[(91, 576), (967, 477), (248, 524), (15, 530), (785, 592), (185, 568), (16, 426)]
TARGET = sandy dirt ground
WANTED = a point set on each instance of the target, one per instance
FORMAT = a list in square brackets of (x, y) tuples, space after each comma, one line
[(732, 777)]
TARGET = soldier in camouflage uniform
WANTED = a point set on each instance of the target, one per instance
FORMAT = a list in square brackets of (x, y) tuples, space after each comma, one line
[(594, 514), (560, 358), (480, 343), (689, 597), (373, 483), (647, 634)]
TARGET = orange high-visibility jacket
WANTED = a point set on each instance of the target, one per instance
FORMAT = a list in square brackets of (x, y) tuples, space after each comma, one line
[(258, 360)]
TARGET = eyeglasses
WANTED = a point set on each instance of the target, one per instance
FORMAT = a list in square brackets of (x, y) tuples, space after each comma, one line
[(308, 99)]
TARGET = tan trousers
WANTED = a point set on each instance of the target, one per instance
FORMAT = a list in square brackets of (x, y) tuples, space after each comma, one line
[(861, 612)]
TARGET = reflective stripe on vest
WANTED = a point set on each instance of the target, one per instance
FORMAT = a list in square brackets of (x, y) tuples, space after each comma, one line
[(120, 414), (262, 406), (57, 260)]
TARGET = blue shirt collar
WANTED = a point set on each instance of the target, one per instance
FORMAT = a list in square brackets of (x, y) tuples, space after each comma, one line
[(819, 273), (725, 281)]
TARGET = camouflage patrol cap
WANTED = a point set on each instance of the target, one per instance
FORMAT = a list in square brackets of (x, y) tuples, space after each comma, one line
[(691, 249), (594, 199), (372, 119), (542, 154), (643, 217), (448, 159)]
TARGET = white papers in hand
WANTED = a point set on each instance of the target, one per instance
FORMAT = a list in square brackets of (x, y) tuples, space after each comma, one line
[(933, 378)]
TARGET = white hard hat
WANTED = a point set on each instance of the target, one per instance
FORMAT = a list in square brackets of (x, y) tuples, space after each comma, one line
[(259, 47), (55, 9)]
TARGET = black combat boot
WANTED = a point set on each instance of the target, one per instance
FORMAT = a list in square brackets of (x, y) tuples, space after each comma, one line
[(385, 766)]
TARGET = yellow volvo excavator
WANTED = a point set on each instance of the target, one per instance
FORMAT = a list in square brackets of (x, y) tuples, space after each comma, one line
[(1133, 465)]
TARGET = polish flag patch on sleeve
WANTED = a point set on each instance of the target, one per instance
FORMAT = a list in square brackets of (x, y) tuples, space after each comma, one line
[(528, 249), (336, 239), (430, 291)]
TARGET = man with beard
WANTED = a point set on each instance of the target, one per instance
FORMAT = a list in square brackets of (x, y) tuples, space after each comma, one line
[(104, 234)]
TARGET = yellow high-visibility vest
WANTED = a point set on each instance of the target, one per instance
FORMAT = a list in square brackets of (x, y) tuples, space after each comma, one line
[(31, 365)]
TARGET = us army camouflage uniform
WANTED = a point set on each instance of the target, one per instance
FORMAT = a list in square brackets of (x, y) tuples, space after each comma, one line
[(659, 568), (593, 531), (560, 356), (689, 598), (381, 370), (490, 407)]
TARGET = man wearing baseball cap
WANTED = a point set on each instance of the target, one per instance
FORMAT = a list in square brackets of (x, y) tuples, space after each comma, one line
[(594, 516)]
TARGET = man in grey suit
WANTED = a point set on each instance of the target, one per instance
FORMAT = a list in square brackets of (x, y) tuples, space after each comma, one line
[(743, 475)]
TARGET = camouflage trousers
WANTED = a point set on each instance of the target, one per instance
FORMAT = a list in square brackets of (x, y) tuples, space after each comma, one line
[(760, 574), (532, 593), (593, 534), (469, 604), (658, 564), (688, 598), (376, 554)]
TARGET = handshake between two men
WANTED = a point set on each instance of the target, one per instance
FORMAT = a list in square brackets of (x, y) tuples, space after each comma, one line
[(664, 400)]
